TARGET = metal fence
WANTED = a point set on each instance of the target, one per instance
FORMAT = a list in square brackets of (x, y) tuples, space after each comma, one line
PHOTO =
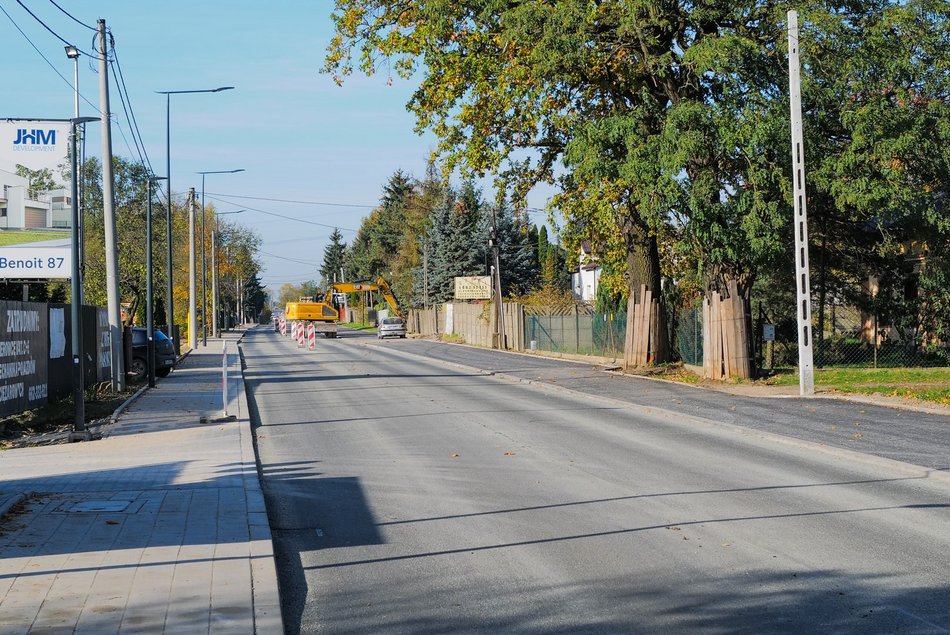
[(688, 335), (575, 331)]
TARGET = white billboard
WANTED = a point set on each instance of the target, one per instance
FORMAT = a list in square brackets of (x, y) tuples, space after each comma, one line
[(35, 144), (473, 288), (26, 262)]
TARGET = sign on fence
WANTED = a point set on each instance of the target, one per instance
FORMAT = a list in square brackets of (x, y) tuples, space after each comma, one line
[(24, 347), (473, 288)]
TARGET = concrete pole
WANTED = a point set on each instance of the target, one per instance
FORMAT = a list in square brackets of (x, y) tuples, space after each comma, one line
[(204, 271), (214, 280), (108, 202), (500, 311), (192, 280), (806, 369)]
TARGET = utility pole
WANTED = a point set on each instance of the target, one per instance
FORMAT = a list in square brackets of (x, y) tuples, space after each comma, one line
[(214, 279), (108, 203), (499, 308), (425, 274), (192, 281), (806, 369)]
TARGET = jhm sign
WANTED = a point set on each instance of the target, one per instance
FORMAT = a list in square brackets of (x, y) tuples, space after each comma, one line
[(34, 140), (33, 144)]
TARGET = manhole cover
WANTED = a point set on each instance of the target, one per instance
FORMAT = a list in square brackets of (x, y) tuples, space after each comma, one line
[(107, 506)]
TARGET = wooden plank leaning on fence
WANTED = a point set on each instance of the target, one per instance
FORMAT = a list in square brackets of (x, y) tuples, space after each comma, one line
[(725, 336), (643, 344)]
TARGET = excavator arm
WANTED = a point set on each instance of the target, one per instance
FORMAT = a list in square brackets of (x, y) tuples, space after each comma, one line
[(379, 285)]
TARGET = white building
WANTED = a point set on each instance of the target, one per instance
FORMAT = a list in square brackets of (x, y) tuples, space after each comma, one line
[(585, 278), (23, 208)]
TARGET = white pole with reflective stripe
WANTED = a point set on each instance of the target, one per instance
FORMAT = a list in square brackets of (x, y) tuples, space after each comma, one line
[(224, 378)]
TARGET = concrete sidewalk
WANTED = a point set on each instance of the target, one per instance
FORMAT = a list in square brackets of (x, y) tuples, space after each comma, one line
[(160, 527)]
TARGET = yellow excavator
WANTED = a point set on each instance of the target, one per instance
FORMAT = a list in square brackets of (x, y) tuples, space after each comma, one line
[(325, 314), (379, 285)]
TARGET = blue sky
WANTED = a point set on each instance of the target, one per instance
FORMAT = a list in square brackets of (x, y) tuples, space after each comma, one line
[(297, 134)]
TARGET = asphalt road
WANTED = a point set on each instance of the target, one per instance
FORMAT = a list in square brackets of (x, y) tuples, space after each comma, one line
[(408, 495)]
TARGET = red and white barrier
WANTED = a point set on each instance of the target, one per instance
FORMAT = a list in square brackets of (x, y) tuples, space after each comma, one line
[(301, 335), (293, 330), (311, 336), (283, 326)]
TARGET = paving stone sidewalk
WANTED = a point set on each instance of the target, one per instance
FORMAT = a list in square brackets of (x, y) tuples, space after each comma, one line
[(160, 527)]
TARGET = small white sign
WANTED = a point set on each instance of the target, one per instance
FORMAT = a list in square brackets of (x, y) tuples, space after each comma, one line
[(768, 332), (25, 262)]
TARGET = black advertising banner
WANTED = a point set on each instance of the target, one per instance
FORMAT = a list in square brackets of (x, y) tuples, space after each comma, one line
[(24, 350)]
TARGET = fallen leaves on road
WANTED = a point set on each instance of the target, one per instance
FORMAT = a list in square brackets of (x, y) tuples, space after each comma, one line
[(509, 453), (455, 455), (856, 435)]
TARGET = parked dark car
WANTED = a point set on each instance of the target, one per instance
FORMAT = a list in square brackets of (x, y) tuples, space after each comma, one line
[(164, 354)]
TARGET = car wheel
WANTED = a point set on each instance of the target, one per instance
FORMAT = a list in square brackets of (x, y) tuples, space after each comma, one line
[(139, 369), (403, 336), (163, 372)]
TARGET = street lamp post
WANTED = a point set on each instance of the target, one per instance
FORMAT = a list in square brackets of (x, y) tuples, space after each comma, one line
[(214, 272), (150, 326), (204, 273), (169, 308), (79, 432), (73, 53)]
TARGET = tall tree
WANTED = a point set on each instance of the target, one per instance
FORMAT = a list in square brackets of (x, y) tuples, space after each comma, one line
[(519, 266), (454, 242), (380, 235), (334, 259)]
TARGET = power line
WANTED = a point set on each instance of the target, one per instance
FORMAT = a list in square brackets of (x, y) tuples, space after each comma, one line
[(528, 210), (283, 200), (293, 218), (74, 19), (45, 26), (131, 114), (135, 140), (301, 262), (45, 59)]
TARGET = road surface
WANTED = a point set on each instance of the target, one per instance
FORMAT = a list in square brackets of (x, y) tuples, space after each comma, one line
[(407, 495)]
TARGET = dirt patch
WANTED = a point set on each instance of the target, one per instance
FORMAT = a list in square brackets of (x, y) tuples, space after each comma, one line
[(52, 423)]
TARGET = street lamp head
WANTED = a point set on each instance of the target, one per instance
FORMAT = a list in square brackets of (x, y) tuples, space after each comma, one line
[(152, 179), (72, 52), (221, 171), (234, 212), (201, 90), (78, 120)]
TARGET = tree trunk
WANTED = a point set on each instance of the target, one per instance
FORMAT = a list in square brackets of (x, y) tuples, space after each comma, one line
[(726, 329), (647, 339)]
